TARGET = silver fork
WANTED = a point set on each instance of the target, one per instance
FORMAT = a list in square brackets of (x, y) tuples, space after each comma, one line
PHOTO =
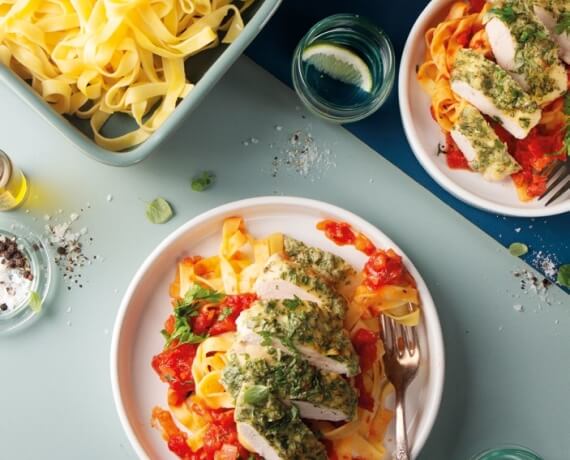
[(401, 362), (558, 174)]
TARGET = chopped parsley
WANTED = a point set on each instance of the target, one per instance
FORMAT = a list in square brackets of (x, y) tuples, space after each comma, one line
[(506, 13), (563, 25), (186, 308), (292, 304)]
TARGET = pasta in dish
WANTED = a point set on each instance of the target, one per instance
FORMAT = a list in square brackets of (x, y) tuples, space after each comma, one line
[(497, 88), (95, 58), (273, 350)]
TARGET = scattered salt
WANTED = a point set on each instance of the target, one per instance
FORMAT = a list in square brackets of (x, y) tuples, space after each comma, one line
[(278, 128), (556, 321), (73, 216), (68, 324), (27, 211), (254, 140), (518, 307), (500, 328), (68, 310), (47, 217), (106, 331), (547, 263), (518, 229), (245, 143), (109, 197)]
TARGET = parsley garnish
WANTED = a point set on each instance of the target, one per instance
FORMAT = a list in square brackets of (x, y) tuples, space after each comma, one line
[(267, 339), (563, 25), (506, 13), (292, 304), (203, 181), (226, 311), (186, 308)]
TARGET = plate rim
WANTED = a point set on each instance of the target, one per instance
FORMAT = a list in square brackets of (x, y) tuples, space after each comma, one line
[(434, 334), (405, 73)]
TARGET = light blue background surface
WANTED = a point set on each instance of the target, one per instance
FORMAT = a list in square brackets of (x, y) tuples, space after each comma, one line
[(507, 373)]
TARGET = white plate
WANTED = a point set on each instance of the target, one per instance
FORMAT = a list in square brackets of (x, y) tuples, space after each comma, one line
[(136, 338), (424, 134)]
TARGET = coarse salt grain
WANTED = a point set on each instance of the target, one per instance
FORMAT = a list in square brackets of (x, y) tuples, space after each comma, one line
[(109, 197), (73, 216), (518, 229), (518, 307)]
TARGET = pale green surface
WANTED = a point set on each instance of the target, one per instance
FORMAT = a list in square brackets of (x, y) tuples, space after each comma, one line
[(507, 378)]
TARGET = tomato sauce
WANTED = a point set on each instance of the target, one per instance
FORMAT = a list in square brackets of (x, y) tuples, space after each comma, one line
[(453, 156), (342, 234), (365, 343), (386, 267)]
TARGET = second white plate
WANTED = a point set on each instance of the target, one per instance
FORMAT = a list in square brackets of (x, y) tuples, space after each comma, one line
[(424, 135)]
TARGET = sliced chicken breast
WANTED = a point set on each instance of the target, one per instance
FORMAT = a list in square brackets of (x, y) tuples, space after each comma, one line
[(484, 151), (494, 92), (285, 279), (329, 266), (552, 14), (297, 327), (522, 46), (272, 428), (318, 395)]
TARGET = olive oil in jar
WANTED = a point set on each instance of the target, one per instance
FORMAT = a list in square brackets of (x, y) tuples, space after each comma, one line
[(13, 184)]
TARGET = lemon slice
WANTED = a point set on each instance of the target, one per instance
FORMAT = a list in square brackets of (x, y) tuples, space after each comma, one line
[(339, 63)]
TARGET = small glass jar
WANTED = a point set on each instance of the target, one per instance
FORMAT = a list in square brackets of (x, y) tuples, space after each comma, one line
[(31, 303), (359, 36), (510, 452), (13, 184)]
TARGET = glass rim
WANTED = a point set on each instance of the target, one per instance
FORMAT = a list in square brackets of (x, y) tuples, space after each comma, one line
[(508, 448), (40, 263), (336, 113)]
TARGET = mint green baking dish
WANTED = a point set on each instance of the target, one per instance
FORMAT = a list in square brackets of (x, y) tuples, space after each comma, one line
[(203, 69)]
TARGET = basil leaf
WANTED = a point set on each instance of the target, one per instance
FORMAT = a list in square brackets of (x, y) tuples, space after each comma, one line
[(158, 211), (35, 302), (518, 249), (203, 181), (256, 395), (563, 277)]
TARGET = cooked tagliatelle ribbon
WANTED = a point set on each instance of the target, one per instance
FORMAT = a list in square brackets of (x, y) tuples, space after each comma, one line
[(94, 58)]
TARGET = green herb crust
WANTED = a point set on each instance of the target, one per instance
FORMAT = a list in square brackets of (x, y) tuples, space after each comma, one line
[(323, 263), (305, 325), (494, 82), (290, 378), (536, 54), (329, 299), (280, 425), (492, 158)]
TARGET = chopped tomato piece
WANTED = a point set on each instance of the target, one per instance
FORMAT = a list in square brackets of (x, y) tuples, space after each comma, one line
[(476, 5), (385, 267), (454, 157), (365, 399), (365, 343), (174, 366), (339, 232)]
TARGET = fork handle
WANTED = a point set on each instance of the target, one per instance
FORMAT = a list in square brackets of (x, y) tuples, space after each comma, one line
[(402, 452)]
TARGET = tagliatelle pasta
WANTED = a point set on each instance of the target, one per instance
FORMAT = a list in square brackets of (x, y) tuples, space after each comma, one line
[(95, 58)]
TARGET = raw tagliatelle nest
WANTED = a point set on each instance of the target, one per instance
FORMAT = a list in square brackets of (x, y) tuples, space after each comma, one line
[(94, 58)]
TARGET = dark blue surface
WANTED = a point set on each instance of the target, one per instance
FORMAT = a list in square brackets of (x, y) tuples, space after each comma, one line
[(383, 131)]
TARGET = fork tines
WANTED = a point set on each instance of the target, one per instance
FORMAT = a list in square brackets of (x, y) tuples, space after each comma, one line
[(558, 181)]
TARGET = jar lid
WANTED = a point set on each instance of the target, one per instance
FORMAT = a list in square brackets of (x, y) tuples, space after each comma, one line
[(5, 168)]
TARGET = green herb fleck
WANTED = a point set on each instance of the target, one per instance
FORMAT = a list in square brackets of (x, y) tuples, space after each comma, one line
[(506, 13), (251, 457), (518, 249), (35, 302), (563, 25), (292, 304), (227, 311), (563, 277), (256, 395), (158, 211), (203, 181)]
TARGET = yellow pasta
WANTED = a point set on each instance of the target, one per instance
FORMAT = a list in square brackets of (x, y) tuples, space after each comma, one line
[(95, 58)]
